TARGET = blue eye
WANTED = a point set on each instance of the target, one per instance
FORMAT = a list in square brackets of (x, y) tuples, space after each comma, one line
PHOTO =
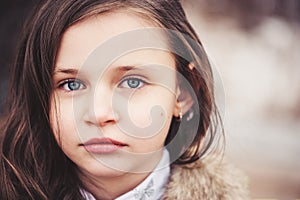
[(72, 85), (132, 83)]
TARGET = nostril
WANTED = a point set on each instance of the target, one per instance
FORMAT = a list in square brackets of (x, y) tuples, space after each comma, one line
[(107, 122)]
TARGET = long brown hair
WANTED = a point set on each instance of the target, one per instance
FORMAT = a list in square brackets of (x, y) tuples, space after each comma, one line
[(32, 165)]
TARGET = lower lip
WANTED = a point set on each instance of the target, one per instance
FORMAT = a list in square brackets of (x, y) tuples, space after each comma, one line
[(102, 148)]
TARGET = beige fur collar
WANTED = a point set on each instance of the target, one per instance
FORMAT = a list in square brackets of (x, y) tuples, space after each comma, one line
[(206, 180)]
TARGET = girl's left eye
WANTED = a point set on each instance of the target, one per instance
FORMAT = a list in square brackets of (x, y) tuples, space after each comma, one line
[(132, 83), (72, 85)]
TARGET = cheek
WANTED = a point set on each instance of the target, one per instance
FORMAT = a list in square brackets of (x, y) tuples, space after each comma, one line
[(62, 120), (153, 143), (149, 113), (144, 114)]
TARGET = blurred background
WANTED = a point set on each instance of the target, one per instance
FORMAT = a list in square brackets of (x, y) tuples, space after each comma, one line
[(254, 46)]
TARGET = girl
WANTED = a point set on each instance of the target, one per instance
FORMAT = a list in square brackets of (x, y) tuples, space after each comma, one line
[(112, 100)]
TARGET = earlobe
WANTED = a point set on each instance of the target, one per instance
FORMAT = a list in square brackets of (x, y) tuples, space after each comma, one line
[(178, 110), (183, 104)]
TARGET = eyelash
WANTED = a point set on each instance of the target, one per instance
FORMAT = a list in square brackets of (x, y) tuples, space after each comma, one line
[(66, 83), (126, 80)]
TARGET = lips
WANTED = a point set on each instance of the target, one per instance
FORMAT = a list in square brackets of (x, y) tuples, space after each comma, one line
[(102, 145)]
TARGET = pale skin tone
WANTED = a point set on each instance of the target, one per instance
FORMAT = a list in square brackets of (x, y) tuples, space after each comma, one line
[(86, 108)]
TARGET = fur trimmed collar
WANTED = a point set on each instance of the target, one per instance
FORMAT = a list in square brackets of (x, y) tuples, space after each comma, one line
[(206, 180)]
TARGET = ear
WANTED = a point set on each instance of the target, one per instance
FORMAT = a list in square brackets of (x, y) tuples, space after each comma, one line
[(184, 102)]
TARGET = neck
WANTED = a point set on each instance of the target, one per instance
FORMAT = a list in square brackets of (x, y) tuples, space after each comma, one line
[(111, 188)]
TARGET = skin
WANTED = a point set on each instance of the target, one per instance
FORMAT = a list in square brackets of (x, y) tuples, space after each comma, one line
[(88, 102)]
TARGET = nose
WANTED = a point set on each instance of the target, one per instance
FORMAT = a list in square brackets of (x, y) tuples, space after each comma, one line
[(100, 109)]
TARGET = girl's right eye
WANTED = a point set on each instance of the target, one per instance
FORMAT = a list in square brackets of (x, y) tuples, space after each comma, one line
[(72, 85)]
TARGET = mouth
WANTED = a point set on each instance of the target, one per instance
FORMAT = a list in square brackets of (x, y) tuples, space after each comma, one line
[(102, 145)]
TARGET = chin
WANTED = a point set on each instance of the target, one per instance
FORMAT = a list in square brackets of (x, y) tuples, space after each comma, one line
[(99, 169)]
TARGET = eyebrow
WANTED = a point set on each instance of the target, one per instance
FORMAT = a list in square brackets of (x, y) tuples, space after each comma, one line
[(67, 71), (73, 71), (126, 68)]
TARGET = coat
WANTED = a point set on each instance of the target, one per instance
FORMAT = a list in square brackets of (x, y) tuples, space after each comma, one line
[(206, 180)]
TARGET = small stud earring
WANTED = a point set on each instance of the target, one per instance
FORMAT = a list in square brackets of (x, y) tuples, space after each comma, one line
[(191, 66), (179, 117)]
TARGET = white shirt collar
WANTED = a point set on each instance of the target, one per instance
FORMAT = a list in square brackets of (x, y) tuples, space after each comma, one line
[(151, 188)]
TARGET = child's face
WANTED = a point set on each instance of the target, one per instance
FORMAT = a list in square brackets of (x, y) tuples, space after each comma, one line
[(130, 102)]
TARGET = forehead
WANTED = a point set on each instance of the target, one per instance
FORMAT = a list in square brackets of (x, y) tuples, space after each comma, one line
[(107, 25), (82, 38)]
